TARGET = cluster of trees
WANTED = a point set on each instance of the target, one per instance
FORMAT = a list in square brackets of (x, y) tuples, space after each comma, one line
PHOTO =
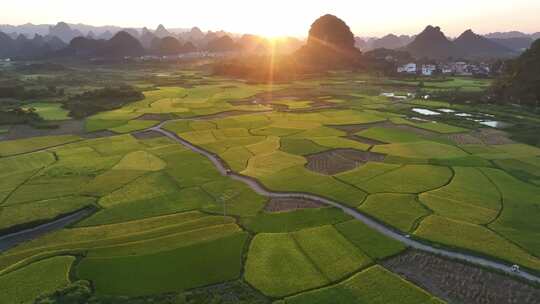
[(22, 93), (519, 82), (19, 116), (80, 292), (106, 99)]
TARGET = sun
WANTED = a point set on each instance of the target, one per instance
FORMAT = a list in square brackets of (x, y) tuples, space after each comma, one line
[(274, 31)]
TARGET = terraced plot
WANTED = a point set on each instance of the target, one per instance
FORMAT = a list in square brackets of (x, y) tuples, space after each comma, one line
[(45, 276), (41, 211), (420, 149), (366, 287), (145, 236), (389, 135), (167, 271), (517, 220), (313, 257), (470, 197), (13, 147), (294, 220), (395, 179), (475, 238), (374, 244), (402, 211)]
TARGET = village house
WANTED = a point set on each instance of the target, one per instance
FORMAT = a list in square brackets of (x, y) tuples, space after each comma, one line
[(447, 70), (409, 68), (428, 69), (461, 68)]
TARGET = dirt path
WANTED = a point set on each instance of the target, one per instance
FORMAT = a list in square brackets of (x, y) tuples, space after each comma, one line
[(260, 189)]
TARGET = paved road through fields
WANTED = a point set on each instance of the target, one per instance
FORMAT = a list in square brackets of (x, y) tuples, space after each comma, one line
[(13, 239), (10, 240), (257, 187)]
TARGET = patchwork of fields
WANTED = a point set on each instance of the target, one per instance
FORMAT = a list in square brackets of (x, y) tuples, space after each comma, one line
[(168, 222)]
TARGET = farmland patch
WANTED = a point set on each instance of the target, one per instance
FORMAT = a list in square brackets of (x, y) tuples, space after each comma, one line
[(399, 210), (180, 269), (366, 287), (460, 283), (340, 160), (45, 276), (290, 204)]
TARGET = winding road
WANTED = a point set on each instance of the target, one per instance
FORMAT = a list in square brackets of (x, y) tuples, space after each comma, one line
[(10, 240), (13, 239), (260, 189)]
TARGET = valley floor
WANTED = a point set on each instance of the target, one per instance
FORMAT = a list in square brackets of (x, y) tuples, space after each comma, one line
[(305, 192)]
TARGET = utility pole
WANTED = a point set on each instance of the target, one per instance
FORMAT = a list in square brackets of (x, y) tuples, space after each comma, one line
[(225, 196)]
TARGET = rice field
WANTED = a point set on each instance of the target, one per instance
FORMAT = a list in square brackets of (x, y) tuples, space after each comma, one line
[(315, 257), (27, 283), (169, 224), (365, 287)]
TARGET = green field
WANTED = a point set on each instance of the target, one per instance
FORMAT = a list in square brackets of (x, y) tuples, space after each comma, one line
[(389, 135), (45, 276), (402, 211), (8, 148), (168, 271), (365, 287), (49, 111), (168, 225), (294, 220), (315, 257)]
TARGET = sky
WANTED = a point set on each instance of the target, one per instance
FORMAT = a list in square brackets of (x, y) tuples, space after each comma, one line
[(284, 17)]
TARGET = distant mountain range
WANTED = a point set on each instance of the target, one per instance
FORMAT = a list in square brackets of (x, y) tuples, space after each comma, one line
[(36, 47), (34, 41), (101, 32), (433, 44), (389, 41), (512, 34), (437, 45), (64, 40)]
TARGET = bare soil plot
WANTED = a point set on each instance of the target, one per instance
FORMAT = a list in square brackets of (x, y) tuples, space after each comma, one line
[(460, 283), (98, 134), (290, 204), (147, 135), (464, 139), (360, 156), (493, 137), (340, 160), (156, 116)]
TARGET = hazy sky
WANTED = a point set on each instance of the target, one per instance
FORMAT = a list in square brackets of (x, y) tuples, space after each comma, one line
[(284, 17)]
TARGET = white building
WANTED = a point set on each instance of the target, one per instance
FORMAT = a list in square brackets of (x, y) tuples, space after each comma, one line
[(461, 68), (428, 69), (447, 70), (409, 68)]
